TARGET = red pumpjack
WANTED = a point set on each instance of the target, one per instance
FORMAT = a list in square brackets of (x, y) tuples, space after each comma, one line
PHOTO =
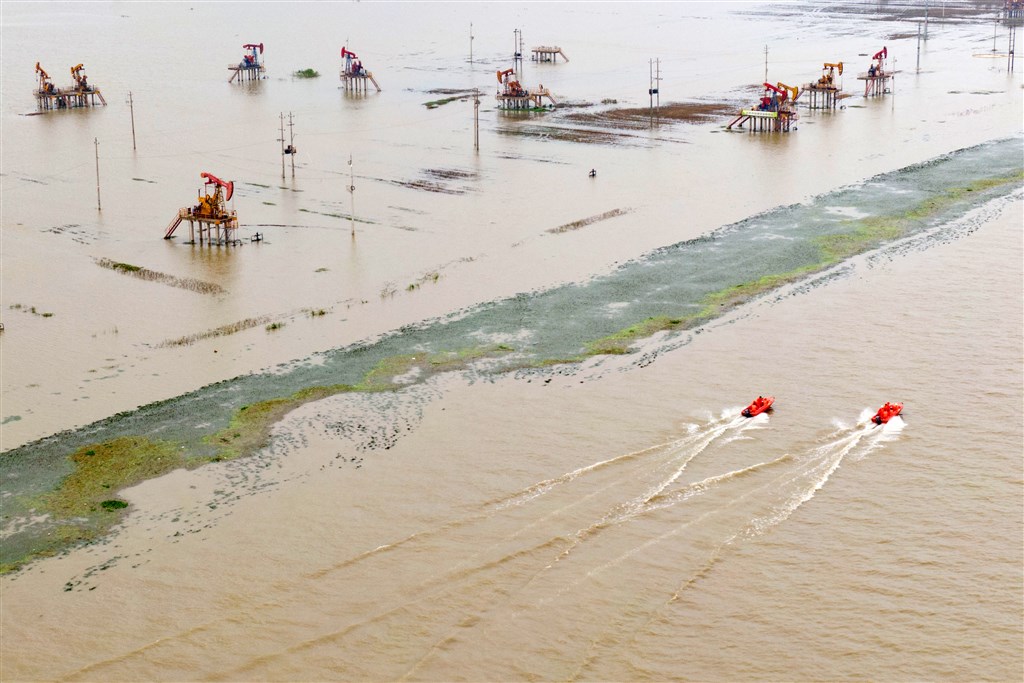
[(887, 412), (759, 405)]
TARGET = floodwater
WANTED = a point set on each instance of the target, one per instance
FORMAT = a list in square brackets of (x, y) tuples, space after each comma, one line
[(613, 519)]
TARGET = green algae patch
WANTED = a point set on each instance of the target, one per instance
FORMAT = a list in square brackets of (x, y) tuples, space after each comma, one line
[(740, 294), (383, 376), (104, 469), (620, 342), (57, 539), (455, 96), (249, 429), (868, 234), (713, 305), (873, 231), (84, 505), (456, 360), (942, 201)]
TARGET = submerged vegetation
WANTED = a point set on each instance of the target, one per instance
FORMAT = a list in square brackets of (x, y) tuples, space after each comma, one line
[(163, 278), (870, 232), (306, 73), (221, 331), (576, 225), (30, 309), (249, 429), (865, 234), (81, 507), (103, 469), (454, 96)]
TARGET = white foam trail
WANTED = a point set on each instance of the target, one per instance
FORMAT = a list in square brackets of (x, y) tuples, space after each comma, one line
[(865, 415), (691, 447), (825, 460), (690, 490), (882, 435), (832, 455), (894, 426), (695, 434), (542, 487), (839, 424), (692, 453)]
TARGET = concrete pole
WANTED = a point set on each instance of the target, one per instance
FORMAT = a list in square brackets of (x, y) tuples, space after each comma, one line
[(291, 142), (1011, 48), (352, 193), (650, 87), (282, 145), (919, 46), (657, 83), (131, 108), (96, 142)]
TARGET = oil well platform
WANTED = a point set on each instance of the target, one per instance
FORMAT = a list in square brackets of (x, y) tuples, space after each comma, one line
[(878, 80), (512, 95), (81, 94), (547, 53), (822, 93), (217, 224), (354, 76), (250, 68), (775, 112)]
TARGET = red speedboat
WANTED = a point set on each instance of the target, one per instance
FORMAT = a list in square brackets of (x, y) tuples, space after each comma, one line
[(887, 412), (760, 404)]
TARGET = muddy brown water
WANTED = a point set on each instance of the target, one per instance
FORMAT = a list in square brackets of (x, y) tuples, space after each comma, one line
[(602, 522)]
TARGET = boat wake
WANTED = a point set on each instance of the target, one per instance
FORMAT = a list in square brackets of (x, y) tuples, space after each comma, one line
[(641, 529)]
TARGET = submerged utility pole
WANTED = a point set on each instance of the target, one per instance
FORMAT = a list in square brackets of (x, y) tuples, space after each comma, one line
[(282, 145), (476, 119), (654, 90), (919, 46), (291, 142), (471, 42), (517, 53), (96, 142), (765, 63), (131, 108), (352, 193), (1011, 47)]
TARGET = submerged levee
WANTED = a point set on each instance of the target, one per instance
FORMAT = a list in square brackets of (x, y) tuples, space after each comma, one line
[(62, 490)]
